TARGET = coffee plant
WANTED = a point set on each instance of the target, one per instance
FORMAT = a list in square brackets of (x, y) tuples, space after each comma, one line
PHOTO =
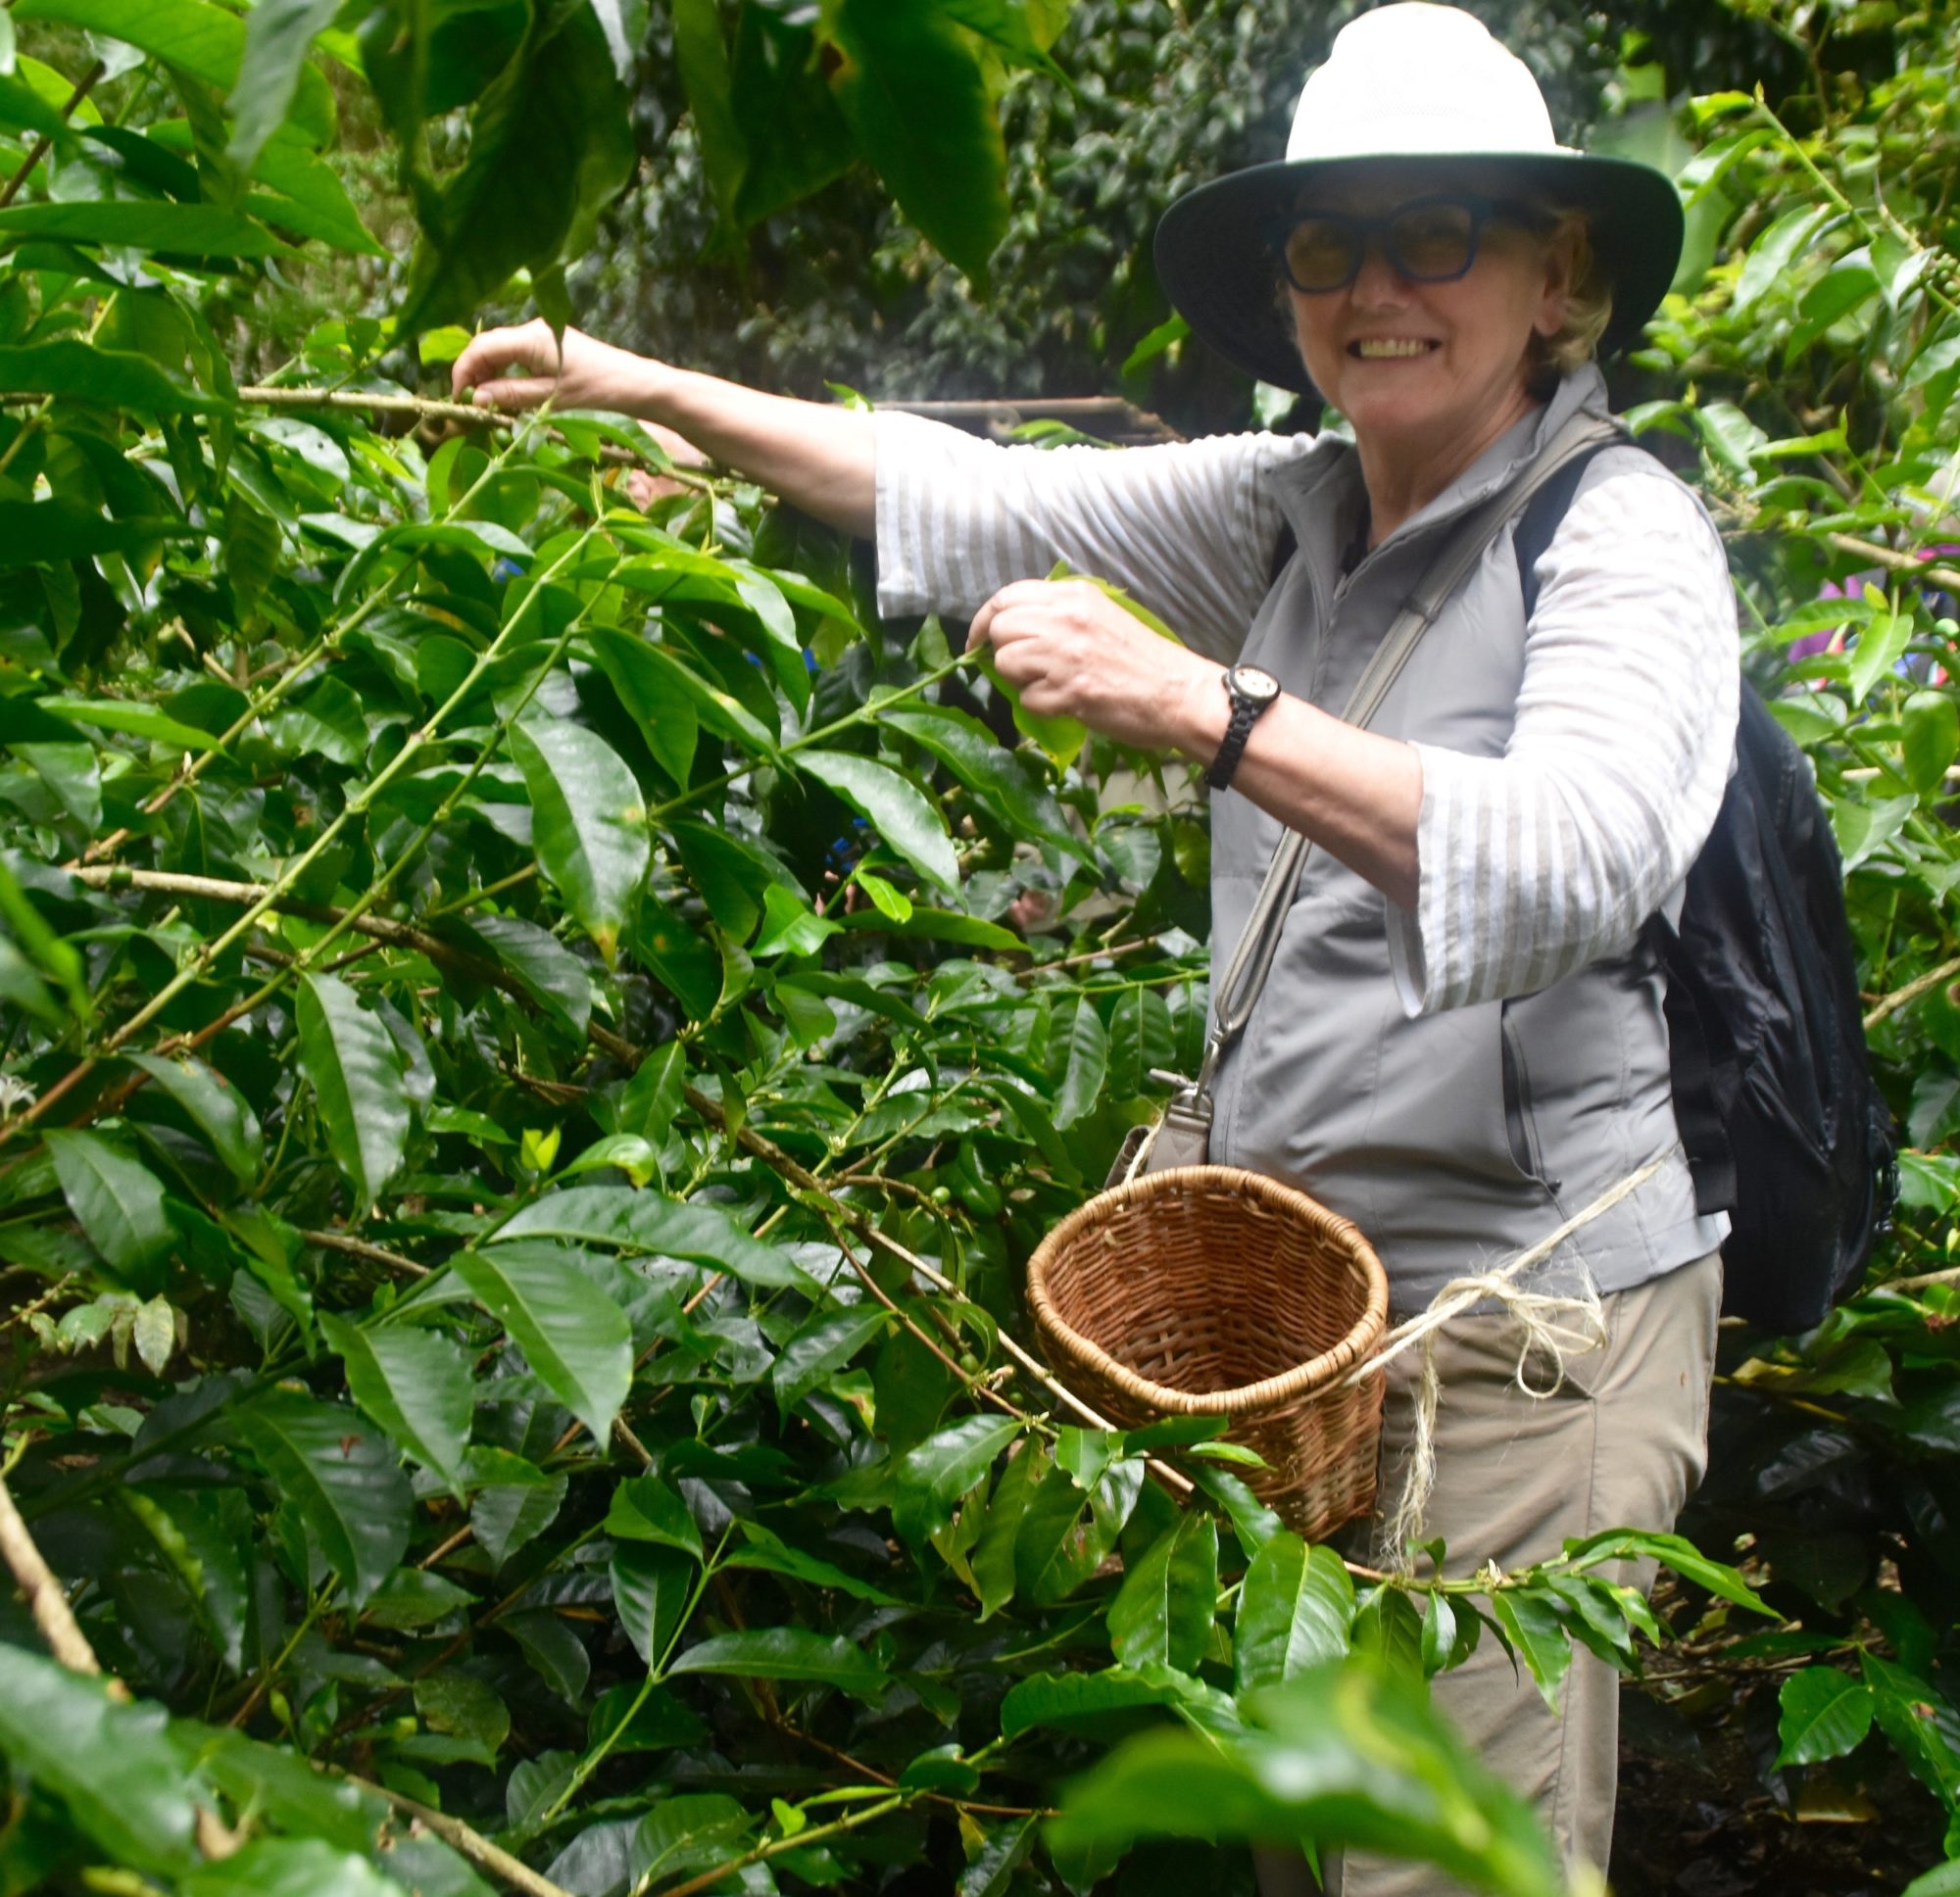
[(538, 1038)]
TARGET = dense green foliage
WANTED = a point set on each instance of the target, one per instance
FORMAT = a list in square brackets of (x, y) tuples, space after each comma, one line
[(537, 1040)]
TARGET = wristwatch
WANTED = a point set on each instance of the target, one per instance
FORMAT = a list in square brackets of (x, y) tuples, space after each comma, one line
[(1250, 691)]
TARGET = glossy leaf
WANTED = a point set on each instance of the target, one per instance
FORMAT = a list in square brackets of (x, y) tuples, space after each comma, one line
[(357, 1075), (1538, 1637), (900, 813), (1343, 1756), (549, 146), (515, 1501), (1294, 1609), (109, 1764), (993, 1558), (1163, 1613), (786, 1653), (342, 1476), (290, 1868), (1140, 1040), (1825, 1714), (572, 1335), (930, 1479), (590, 824), (652, 1586), (915, 98), (203, 40), (1086, 1067), (1080, 1701), (828, 1342), (66, 367), (650, 1221), (1001, 778), (196, 230), (1908, 1712), (277, 35), (645, 1509), (118, 1201), (220, 1112), (415, 1384)]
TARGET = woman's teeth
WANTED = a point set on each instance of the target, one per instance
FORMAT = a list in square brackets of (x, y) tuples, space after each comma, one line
[(1385, 349)]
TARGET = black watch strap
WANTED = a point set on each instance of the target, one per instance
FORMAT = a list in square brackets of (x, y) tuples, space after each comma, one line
[(1250, 697)]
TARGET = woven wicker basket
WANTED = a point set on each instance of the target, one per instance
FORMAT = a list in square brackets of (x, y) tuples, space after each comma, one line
[(1206, 1291)]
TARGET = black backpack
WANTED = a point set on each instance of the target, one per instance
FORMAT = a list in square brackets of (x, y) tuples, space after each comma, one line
[(1783, 1127)]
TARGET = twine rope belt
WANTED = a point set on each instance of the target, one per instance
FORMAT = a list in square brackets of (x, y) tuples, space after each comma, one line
[(1552, 1328)]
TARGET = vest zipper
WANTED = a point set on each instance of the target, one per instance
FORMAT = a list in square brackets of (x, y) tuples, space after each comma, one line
[(1520, 1124)]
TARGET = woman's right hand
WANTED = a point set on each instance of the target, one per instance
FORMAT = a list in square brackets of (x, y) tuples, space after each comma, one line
[(522, 368), (821, 459)]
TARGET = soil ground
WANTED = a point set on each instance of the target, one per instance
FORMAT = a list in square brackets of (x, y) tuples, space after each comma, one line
[(1697, 1820)]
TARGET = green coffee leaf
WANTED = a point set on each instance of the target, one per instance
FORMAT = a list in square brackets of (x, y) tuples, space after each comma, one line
[(1825, 1714), (1086, 1067), (1163, 1613), (1538, 1637), (277, 35), (590, 824), (648, 1222), (118, 1201), (109, 1765), (571, 1334), (824, 1344), (1140, 1040), (290, 1868), (1001, 778), (220, 1112), (652, 1586), (645, 1509), (358, 1075), (342, 1476), (786, 1653), (1294, 1609), (120, 377), (900, 813), (415, 1384)]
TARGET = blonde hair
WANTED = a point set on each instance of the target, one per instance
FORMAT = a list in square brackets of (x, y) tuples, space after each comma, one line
[(1589, 306)]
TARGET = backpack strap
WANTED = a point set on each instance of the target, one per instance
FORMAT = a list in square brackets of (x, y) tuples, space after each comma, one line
[(1541, 519), (1702, 1057), (1700, 1053)]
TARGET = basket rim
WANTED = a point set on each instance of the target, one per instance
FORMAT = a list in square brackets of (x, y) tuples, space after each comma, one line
[(1245, 1400)]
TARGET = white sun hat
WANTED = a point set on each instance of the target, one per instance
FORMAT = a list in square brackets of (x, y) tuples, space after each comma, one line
[(1419, 87)]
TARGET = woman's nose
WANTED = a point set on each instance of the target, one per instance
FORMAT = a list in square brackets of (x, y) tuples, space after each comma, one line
[(1378, 282)]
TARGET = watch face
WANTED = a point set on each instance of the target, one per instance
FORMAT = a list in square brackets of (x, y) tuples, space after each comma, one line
[(1250, 682)]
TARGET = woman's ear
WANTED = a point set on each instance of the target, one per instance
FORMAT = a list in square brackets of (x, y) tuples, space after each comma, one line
[(1561, 265)]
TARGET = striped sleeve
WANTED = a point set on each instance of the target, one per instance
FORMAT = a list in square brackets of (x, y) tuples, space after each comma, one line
[(1187, 529), (1533, 865)]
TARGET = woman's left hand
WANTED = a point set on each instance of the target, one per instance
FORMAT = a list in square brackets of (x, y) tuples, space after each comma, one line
[(1072, 652)]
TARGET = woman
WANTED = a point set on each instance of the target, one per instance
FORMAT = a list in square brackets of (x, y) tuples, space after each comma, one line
[(1462, 1041)]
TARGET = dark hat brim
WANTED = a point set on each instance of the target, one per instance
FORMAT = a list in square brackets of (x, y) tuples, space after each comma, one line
[(1217, 260)]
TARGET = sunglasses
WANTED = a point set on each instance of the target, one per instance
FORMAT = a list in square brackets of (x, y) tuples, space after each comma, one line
[(1432, 241)]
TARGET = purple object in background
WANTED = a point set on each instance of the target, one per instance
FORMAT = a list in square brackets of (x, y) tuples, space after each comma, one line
[(1832, 638)]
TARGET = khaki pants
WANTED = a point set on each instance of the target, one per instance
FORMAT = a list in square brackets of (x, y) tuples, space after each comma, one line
[(1622, 1445)]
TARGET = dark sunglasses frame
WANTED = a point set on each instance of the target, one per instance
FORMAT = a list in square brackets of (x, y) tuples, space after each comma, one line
[(1482, 210)]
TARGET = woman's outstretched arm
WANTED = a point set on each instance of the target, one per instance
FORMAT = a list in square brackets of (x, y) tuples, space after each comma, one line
[(821, 459)]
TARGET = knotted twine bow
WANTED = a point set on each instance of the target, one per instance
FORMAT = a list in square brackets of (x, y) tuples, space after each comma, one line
[(1551, 1327)]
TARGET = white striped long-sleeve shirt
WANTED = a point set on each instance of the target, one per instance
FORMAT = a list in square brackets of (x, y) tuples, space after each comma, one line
[(1532, 864)]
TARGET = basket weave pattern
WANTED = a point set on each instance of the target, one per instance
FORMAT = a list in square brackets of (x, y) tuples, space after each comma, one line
[(1207, 1291)]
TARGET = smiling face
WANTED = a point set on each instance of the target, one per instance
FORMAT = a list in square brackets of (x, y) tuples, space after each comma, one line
[(1429, 373)]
